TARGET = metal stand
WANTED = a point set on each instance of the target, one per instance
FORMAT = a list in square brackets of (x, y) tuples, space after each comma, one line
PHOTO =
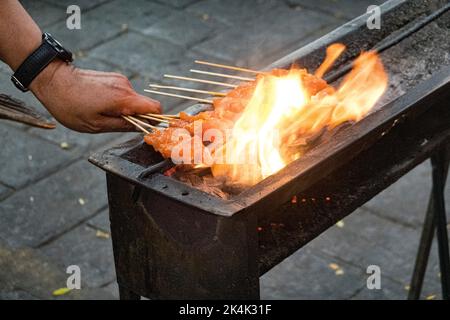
[(127, 294), (435, 219)]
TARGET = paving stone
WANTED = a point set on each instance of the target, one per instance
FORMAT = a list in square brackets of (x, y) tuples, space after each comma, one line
[(151, 58), (25, 159), (338, 8), (167, 103), (28, 273), (98, 65), (141, 54), (235, 12), (120, 137), (407, 199), (266, 38), (138, 15), (83, 4), (7, 87), (78, 143), (11, 294), (389, 290), (185, 29), (51, 206), (4, 68), (113, 289), (4, 191), (305, 275), (177, 3), (13, 124), (432, 281), (82, 247), (44, 14), (367, 240), (93, 32), (101, 221)]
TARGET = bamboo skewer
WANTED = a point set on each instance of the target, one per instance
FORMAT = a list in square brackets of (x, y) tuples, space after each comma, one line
[(212, 93), (201, 81), (179, 96), (154, 119), (224, 66), (163, 116), (215, 74), (136, 124), (142, 123)]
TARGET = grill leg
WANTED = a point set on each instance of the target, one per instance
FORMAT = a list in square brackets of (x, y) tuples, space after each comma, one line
[(423, 253), (126, 294), (435, 217), (440, 168)]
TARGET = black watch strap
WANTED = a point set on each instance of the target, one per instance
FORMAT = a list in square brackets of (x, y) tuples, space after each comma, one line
[(37, 62)]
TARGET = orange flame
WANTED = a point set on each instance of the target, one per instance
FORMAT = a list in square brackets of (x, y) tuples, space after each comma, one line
[(333, 52), (289, 107)]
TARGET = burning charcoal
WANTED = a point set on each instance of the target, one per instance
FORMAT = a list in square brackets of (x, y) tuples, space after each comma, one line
[(234, 187), (214, 191)]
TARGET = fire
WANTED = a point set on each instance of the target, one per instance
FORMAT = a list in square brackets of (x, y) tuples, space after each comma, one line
[(289, 107)]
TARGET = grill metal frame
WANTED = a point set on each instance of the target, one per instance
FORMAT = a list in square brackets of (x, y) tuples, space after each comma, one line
[(172, 241)]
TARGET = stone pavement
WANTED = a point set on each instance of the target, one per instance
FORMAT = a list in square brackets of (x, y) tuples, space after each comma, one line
[(53, 206)]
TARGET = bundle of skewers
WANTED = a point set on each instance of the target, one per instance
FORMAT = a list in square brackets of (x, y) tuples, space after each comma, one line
[(279, 115), (141, 122), (227, 106)]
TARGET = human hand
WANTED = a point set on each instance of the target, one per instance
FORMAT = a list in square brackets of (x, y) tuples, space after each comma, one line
[(90, 101)]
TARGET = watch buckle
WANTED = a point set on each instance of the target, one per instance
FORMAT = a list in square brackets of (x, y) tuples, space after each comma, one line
[(19, 84)]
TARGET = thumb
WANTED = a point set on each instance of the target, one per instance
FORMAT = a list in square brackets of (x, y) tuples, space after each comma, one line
[(138, 104)]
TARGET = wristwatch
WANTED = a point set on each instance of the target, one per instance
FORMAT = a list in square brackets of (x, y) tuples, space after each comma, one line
[(49, 50)]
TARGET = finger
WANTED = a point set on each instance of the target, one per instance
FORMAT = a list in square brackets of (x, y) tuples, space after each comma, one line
[(113, 124), (138, 104)]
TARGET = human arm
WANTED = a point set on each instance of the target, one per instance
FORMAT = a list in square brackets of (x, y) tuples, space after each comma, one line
[(82, 100)]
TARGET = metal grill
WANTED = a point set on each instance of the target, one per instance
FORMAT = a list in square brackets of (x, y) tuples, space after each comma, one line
[(173, 241)]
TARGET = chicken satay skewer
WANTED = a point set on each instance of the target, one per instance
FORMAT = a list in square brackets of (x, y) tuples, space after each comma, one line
[(154, 118), (179, 96), (215, 74), (136, 125), (201, 81), (164, 115), (142, 123), (224, 66), (212, 93)]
